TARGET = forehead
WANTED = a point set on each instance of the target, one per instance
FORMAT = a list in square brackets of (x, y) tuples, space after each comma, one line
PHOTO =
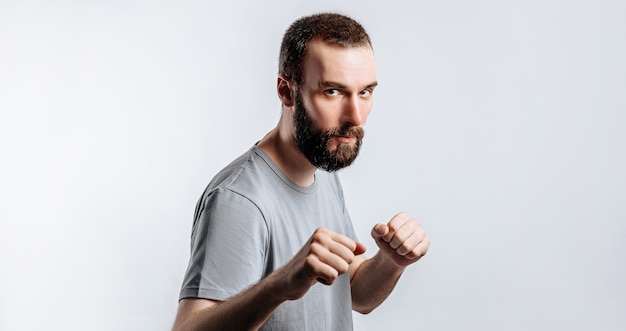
[(346, 65)]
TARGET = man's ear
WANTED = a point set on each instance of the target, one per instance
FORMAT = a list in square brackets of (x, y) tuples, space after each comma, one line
[(285, 91)]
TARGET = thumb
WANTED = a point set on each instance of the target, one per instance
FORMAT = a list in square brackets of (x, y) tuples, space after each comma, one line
[(360, 249), (379, 231)]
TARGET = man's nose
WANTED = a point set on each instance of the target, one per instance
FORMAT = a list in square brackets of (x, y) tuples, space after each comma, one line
[(353, 111)]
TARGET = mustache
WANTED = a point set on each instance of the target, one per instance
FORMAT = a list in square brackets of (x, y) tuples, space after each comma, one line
[(346, 130)]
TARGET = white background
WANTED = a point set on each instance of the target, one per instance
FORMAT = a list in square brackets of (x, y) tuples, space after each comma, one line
[(499, 124)]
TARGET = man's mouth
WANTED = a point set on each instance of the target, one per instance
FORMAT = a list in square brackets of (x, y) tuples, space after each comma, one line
[(346, 139)]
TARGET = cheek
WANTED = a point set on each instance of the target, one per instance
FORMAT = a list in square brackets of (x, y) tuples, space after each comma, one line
[(326, 114), (366, 110)]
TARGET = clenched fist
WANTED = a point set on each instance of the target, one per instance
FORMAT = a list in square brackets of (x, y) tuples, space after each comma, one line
[(402, 239), (324, 257)]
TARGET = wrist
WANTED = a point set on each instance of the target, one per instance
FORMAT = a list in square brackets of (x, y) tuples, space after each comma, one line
[(387, 264), (274, 287), (282, 286)]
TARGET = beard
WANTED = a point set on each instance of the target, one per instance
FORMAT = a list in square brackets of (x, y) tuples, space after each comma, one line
[(316, 143)]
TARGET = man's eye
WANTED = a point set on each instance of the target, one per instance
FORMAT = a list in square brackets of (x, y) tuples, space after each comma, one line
[(331, 92), (365, 93)]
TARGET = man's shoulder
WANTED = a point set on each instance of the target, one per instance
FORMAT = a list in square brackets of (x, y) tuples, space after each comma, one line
[(243, 173), (256, 177), (237, 183)]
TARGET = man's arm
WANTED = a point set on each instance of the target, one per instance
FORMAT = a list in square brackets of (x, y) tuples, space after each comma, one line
[(247, 311), (401, 242), (323, 258)]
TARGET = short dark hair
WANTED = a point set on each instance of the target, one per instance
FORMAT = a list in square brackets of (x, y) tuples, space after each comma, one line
[(332, 28)]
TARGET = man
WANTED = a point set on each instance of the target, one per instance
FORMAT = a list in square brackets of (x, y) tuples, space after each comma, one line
[(270, 226)]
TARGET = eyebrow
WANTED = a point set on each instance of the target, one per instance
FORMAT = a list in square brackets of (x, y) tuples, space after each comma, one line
[(342, 86)]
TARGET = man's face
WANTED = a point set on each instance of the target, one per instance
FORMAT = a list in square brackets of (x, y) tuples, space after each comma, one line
[(317, 145), (332, 104)]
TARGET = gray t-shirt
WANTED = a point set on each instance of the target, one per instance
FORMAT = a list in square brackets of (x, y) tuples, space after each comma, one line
[(250, 221)]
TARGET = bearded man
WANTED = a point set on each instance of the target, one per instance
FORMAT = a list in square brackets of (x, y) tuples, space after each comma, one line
[(273, 224)]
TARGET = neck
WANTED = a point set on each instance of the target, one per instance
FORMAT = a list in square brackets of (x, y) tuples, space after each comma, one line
[(279, 144)]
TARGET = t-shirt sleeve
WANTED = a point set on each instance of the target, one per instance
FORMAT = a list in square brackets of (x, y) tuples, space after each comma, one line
[(228, 246)]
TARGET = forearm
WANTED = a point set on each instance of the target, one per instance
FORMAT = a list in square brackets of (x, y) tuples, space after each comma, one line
[(373, 282), (323, 258), (245, 311)]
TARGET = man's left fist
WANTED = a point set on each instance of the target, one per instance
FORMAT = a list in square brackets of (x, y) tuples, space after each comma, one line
[(402, 239)]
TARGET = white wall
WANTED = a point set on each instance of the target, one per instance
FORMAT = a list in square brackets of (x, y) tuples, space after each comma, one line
[(499, 124)]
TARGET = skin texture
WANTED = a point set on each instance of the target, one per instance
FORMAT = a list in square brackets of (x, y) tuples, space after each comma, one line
[(337, 90)]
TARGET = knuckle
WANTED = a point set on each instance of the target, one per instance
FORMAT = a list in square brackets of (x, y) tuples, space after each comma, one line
[(331, 275), (316, 248), (403, 250), (310, 265), (321, 231), (310, 260), (319, 237), (343, 268)]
